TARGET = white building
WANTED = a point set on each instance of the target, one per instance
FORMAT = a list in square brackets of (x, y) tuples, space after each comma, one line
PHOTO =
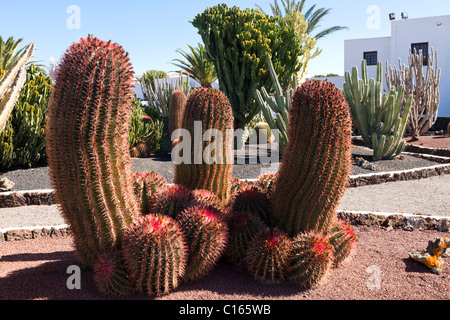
[(422, 33)]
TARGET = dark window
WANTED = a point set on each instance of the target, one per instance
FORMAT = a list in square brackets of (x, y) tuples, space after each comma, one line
[(371, 58), (416, 47)]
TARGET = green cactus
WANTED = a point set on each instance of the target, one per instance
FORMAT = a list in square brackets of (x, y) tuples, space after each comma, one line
[(316, 163), (155, 254), (110, 275), (146, 184), (380, 117), (279, 105), (11, 83), (87, 145), (240, 43), (268, 254), (176, 112), (343, 239), (24, 134), (207, 236), (208, 199), (208, 109), (311, 259), (171, 200), (252, 199), (242, 226)]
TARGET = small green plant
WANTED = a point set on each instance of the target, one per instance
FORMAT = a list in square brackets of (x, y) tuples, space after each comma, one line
[(145, 133)]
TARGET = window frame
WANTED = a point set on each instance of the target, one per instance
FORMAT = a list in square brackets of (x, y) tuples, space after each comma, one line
[(425, 56), (370, 63)]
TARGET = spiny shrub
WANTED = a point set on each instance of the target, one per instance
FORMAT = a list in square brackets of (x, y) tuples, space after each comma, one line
[(110, 275), (146, 184), (206, 235), (311, 259), (155, 254), (317, 160), (171, 200), (87, 146), (343, 239), (268, 254), (242, 228)]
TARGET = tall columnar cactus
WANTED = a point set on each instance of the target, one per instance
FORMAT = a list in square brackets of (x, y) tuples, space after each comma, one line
[(209, 120), (87, 147), (316, 164), (155, 254), (239, 43), (11, 84), (380, 117), (176, 111), (277, 104), (424, 88)]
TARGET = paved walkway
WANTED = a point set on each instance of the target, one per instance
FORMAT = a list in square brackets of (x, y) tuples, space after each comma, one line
[(429, 196)]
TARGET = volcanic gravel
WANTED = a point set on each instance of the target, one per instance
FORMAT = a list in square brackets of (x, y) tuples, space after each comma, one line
[(380, 269)]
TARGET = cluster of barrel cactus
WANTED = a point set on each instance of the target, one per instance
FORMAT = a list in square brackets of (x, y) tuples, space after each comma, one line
[(284, 226), (142, 235), (138, 233)]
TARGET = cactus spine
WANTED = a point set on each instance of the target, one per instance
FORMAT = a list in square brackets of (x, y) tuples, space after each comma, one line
[(110, 275), (155, 254), (316, 163), (210, 112), (343, 239), (268, 254), (87, 147), (311, 259), (206, 235), (381, 118), (11, 83)]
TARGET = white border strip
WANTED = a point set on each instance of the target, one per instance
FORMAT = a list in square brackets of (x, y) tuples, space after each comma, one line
[(57, 227)]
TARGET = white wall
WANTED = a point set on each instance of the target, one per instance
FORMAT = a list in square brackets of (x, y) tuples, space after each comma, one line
[(406, 32), (395, 47), (337, 81), (354, 53)]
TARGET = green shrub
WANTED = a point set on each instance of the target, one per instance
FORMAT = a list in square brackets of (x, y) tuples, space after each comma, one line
[(22, 143), (145, 132)]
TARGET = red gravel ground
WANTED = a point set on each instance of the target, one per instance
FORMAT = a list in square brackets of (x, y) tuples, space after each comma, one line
[(37, 270), (441, 142)]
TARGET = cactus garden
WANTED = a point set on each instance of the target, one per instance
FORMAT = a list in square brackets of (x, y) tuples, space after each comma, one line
[(150, 234)]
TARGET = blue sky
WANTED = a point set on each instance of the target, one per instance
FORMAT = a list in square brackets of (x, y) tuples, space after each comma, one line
[(151, 31)]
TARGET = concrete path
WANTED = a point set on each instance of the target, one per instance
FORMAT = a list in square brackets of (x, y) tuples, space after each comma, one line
[(429, 196)]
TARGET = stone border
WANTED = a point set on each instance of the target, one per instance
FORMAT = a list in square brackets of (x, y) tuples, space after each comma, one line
[(396, 221), (26, 198), (388, 221), (426, 150), (27, 233), (46, 197)]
